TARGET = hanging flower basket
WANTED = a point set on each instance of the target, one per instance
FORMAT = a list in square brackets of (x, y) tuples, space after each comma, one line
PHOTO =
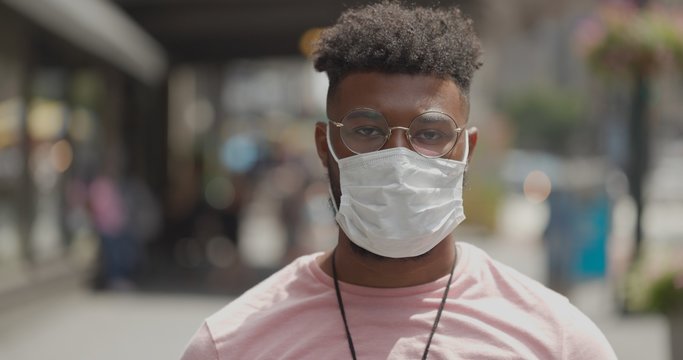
[(621, 39)]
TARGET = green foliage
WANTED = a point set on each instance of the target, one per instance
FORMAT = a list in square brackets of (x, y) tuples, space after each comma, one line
[(544, 118), (663, 295), (655, 284), (482, 198)]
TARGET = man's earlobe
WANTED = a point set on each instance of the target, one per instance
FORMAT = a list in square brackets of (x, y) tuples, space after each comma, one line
[(321, 143)]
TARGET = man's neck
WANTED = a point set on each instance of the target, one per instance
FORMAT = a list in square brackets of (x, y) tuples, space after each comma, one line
[(358, 269)]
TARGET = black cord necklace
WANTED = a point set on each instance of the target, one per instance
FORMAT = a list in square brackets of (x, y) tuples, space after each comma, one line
[(343, 313)]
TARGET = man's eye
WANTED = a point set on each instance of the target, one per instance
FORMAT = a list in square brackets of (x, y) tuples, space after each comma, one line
[(429, 135), (368, 131)]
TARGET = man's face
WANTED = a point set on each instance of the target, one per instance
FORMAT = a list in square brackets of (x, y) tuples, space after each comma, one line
[(400, 98)]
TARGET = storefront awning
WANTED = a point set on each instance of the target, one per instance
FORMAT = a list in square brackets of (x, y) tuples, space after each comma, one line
[(102, 29)]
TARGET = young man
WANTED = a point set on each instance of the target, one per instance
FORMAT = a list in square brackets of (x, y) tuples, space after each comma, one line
[(397, 285)]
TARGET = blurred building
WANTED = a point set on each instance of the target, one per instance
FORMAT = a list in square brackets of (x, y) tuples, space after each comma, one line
[(163, 92), (160, 93), (81, 93)]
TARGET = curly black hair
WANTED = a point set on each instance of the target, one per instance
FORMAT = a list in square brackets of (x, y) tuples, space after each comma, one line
[(390, 37)]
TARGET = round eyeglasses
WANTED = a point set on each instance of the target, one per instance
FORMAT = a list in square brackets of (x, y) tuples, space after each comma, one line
[(431, 134)]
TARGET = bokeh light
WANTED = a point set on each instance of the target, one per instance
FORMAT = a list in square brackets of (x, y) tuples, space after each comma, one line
[(239, 153), (537, 187), (199, 115), (10, 111), (219, 193), (308, 40), (220, 251), (45, 119), (61, 155)]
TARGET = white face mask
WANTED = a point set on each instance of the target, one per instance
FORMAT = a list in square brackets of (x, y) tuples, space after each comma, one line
[(397, 203)]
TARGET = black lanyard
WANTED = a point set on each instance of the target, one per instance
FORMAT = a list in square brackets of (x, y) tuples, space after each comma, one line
[(343, 313)]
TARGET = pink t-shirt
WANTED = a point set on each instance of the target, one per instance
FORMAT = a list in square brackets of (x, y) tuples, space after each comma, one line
[(492, 312)]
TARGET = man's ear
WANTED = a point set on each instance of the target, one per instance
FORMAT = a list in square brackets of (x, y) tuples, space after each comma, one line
[(473, 135), (321, 142)]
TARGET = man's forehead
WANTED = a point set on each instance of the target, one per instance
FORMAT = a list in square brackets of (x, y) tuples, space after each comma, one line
[(392, 91)]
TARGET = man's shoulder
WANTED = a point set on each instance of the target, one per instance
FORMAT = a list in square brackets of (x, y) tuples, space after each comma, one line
[(235, 325), (503, 280), (578, 337), (282, 286)]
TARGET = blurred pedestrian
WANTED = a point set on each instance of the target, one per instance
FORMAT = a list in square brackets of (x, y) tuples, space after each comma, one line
[(397, 285), (124, 214), (118, 253)]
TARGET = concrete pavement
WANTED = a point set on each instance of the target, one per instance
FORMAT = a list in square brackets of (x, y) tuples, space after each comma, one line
[(80, 325)]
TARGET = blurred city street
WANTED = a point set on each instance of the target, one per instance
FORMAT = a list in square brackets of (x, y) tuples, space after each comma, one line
[(157, 159)]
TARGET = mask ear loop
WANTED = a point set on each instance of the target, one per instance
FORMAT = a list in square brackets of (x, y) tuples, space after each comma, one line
[(467, 147), (336, 159), (329, 144)]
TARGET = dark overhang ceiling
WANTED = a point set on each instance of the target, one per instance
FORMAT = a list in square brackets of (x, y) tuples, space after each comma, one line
[(219, 30)]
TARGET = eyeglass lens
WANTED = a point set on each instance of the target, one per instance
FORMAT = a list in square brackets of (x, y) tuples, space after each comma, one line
[(431, 134)]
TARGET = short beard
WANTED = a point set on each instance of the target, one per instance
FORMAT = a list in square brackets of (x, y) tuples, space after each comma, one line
[(336, 193), (371, 255)]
